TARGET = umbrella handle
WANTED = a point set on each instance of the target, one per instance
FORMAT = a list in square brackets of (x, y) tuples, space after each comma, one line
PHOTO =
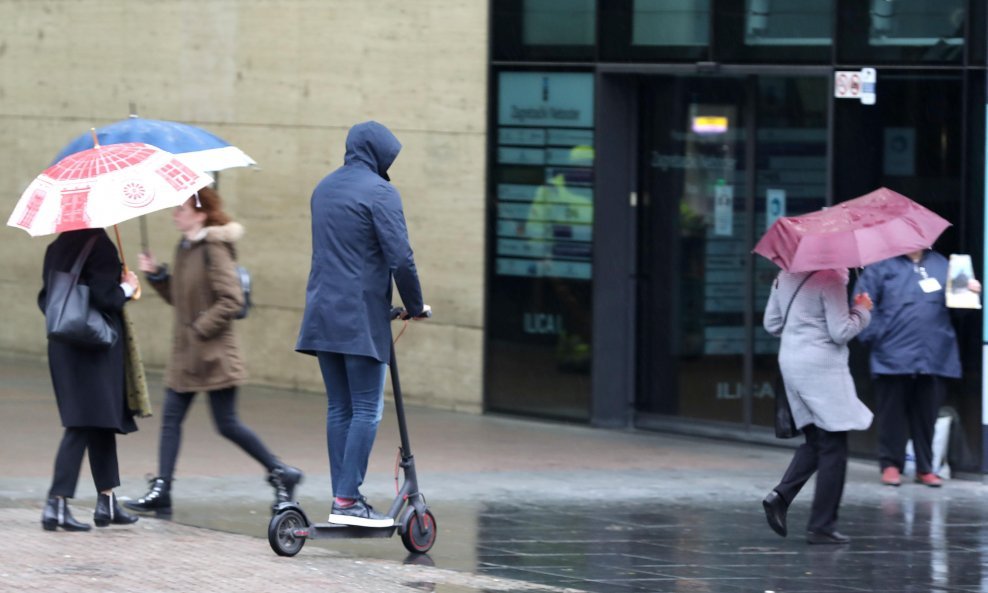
[(123, 259), (137, 291)]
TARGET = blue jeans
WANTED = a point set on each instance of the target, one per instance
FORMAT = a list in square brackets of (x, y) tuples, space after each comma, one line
[(355, 395)]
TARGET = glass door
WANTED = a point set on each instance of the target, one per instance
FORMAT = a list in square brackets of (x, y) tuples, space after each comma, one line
[(721, 157)]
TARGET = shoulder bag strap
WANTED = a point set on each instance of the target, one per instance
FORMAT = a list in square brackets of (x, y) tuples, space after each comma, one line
[(211, 294), (83, 255), (786, 318), (208, 260)]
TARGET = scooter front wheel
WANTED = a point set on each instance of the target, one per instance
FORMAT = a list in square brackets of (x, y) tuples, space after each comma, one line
[(418, 538), (281, 532)]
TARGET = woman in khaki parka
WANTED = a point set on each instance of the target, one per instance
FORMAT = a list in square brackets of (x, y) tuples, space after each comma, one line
[(204, 289)]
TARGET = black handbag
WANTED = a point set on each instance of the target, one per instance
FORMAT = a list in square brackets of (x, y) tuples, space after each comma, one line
[(69, 317), (785, 425)]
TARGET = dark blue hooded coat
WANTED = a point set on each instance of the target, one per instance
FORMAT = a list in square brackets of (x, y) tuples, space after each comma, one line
[(359, 243), (910, 330)]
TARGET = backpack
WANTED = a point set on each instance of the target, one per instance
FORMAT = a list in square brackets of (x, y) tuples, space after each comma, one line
[(245, 281)]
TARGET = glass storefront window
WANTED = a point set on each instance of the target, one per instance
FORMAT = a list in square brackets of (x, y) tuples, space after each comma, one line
[(976, 32), (670, 22), (896, 31), (704, 203), (910, 140), (789, 31), (916, 22), (545, 29), (788, 22), (539, 300), (655, 30), (558, 22)]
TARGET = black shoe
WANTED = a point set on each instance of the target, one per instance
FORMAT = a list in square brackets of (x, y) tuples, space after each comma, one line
[(775, 511), (57, 514), (822, 537), (359, 513), (283, 479), (108, 511), (158, 499)]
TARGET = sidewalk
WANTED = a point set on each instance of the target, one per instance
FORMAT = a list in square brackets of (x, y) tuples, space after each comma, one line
[(161, 556), (520, 505)]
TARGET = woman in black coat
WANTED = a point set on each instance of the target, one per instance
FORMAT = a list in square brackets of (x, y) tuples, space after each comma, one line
[(89, 384)]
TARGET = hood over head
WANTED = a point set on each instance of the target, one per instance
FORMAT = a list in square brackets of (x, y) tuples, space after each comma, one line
[(372, 144)]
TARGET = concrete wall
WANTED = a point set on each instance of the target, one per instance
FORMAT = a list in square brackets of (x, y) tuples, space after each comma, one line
[(283, 80)]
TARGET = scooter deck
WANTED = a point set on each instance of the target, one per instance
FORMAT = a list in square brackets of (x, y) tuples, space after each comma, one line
[(334, 531)]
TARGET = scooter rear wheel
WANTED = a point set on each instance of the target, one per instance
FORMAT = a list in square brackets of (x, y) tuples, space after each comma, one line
[(418, 539), (281, 533)]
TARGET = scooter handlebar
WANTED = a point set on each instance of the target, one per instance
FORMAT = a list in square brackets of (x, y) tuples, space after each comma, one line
[(402, 313)]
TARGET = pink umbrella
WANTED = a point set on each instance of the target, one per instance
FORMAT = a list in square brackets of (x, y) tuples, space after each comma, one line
[(855, 233)]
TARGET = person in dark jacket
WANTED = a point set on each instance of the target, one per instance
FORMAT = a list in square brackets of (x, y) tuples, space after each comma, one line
[(89, 384), (913, 352), (359, 243), (205, 293)]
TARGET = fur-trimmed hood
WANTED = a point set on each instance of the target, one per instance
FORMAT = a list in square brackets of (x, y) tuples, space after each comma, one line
[(230, 232)]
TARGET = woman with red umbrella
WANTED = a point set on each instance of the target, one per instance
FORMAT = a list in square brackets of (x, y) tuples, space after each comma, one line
[(815, 250), (809, 311)]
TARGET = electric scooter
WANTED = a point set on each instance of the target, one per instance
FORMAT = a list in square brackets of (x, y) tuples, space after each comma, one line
[(290, 527)]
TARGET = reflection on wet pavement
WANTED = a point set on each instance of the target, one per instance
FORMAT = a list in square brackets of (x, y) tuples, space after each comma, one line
[(910, 539), (548, 504)]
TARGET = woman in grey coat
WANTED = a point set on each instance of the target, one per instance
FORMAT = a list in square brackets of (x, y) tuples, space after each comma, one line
[(813, 359)]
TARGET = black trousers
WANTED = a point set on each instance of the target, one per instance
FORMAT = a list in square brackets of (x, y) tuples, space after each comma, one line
[(907, 407), (826, 454), (102, 446), (223, 404)]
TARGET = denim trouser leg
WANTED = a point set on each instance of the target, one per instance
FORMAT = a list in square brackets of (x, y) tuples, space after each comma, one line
[(170, 441), (355, 394)]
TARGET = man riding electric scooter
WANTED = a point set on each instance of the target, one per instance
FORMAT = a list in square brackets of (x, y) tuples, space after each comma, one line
[(359, 244)]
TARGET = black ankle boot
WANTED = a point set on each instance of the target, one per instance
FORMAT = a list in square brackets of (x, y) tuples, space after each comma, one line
[(57, 514), (108, 511), (283, 479), (158, 498)]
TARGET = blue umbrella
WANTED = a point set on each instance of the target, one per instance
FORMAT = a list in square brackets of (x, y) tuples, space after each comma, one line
[(200, 149)]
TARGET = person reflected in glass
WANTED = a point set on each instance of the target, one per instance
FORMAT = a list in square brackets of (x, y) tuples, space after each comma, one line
[(813, 358), (913, 353), (204, 290), (89, 384)]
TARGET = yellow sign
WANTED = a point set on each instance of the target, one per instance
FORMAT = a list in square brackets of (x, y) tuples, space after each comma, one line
[(710, 124)]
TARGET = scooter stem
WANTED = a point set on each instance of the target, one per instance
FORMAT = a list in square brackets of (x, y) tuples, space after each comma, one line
[(399, 404)]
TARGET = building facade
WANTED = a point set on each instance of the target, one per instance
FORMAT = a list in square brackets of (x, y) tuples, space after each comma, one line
[(639, 148), (583, 179), (283, 80)]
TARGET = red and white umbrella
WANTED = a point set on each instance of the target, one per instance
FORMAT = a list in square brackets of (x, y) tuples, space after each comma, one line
[(104, 186)]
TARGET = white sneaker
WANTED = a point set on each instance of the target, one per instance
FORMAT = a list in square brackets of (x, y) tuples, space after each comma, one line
[(360, 514)]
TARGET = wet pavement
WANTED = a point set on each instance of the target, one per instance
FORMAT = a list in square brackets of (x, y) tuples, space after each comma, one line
[(520, 505)]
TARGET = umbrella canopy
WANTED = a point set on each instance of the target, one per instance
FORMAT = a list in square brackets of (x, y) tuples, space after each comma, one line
[(200, 149), (855, 233), (103, 186)]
